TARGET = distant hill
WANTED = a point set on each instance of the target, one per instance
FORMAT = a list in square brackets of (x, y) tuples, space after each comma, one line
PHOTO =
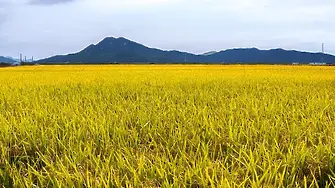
[(6, 60), (209, 53), (254, 55), (15, 59), (121, 50)]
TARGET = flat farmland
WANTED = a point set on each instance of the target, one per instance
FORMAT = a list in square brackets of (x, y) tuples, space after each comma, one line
[(167, 126)]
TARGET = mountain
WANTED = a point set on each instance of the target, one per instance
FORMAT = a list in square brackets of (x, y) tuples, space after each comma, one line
[(254, 55), (121, 50), (209, 53), (6, 60)]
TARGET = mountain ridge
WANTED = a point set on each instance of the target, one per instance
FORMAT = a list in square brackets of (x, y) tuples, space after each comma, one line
[(6, 60), (122, 50)]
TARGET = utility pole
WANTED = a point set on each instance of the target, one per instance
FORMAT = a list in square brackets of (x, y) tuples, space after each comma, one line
[(20, 58), (323, 47), (323, 51)]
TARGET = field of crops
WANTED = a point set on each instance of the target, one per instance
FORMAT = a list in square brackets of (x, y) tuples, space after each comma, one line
[(167, 126)]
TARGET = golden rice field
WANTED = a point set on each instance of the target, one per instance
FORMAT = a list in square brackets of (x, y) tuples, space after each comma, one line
[(167, 126)]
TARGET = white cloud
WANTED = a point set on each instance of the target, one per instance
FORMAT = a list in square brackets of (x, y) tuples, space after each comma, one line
[(191, 25), (48, 2)]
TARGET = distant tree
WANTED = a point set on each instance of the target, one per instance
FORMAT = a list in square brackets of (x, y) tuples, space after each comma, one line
[(3, 64)]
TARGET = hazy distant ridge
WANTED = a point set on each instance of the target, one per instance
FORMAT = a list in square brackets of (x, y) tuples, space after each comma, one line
[(121, 50), (6, 60)]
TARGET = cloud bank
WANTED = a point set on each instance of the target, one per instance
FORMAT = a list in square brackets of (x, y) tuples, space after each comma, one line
[(65, 26), (48, 2)]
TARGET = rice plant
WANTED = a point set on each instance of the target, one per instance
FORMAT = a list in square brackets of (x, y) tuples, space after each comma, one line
[(167, 126)]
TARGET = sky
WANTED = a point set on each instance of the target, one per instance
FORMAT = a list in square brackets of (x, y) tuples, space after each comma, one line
[(43, 28)]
